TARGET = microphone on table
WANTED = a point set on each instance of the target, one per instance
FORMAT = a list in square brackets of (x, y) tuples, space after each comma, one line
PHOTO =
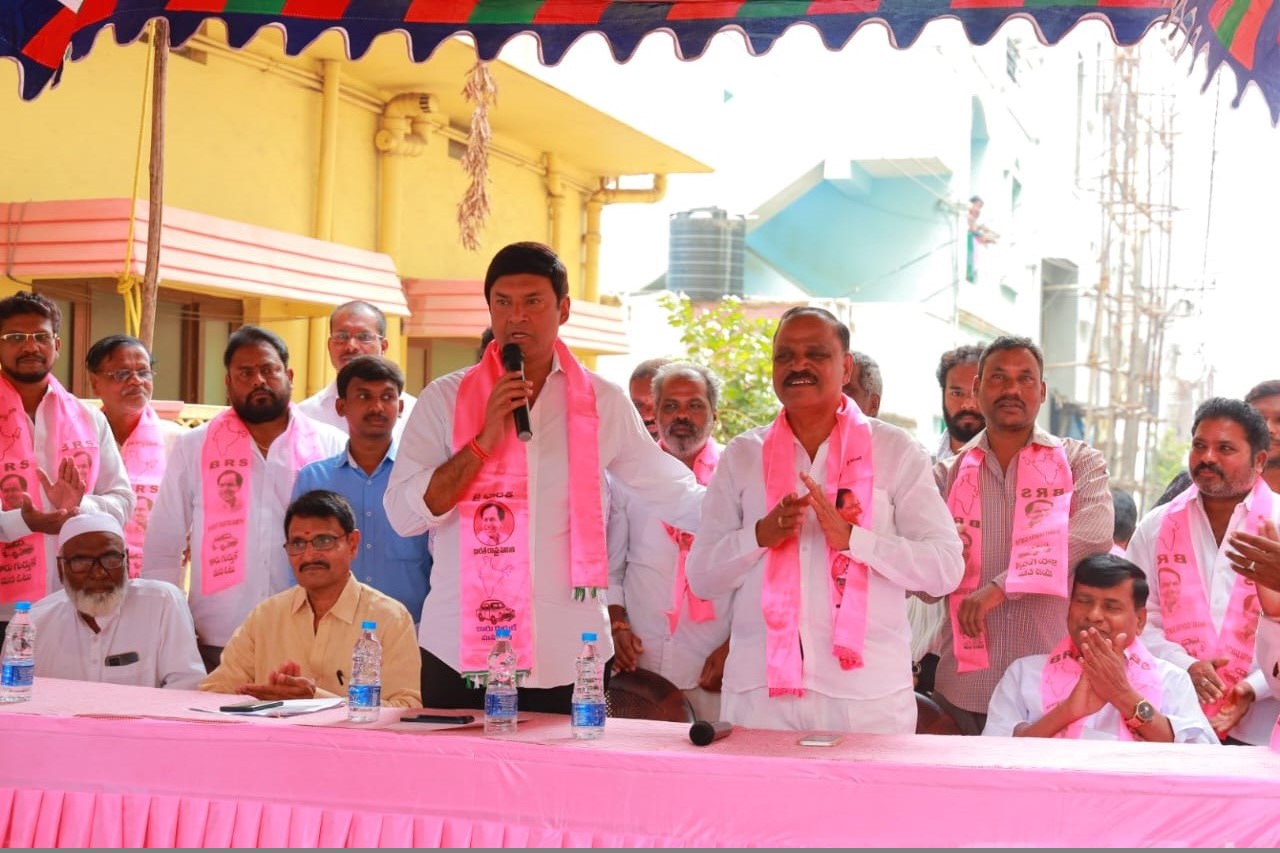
[(513, 359), (705, 732)]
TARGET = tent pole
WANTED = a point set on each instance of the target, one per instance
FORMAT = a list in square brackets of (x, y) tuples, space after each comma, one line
[(151, 274)]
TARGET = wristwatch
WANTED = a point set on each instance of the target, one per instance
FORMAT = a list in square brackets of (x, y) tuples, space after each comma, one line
[(1144, 713)]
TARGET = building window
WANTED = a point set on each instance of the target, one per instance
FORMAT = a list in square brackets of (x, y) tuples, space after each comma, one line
[(1012, 59)]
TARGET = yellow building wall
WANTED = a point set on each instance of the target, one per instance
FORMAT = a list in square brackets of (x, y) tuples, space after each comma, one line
[(243, 142)]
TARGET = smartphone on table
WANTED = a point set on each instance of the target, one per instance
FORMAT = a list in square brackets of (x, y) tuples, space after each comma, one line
[(251, 706)]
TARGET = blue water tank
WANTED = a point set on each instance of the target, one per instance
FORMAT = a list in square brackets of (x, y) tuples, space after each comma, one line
[(705, 257)]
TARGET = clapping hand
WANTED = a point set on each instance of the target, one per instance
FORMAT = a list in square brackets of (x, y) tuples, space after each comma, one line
[(286, 682), (782, 522), (834, 527)]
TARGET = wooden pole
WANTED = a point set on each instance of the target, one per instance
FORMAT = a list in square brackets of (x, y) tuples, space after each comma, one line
[(151, 275)]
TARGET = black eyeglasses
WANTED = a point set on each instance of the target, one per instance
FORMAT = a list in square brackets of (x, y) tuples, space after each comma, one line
[(323, 542), (44, 339), (111, 561), (123, 376), (345, 337)]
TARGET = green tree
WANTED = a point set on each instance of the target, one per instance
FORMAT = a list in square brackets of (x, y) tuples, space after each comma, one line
[(738, 349)]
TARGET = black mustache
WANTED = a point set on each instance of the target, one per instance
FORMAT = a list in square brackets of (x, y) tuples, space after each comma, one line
[(1011, 400), (323, 564), (973, 413), (1205, 466), (675, 424), (804, 374)]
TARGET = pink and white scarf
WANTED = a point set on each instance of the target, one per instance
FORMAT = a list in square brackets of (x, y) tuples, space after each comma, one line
[(496, 581), (228, 446), (700, 610), (1185, 611), (849, 466), (1063, 671), (144, 461), (1038, 561), (23, 570)]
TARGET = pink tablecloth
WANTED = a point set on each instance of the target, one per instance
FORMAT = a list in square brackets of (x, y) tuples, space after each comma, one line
[(80, 769)]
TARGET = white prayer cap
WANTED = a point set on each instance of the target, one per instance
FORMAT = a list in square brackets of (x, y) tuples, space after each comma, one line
[(88, 522)]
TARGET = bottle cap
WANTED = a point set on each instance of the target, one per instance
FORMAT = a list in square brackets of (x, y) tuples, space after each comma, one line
[(588, 636), (22, 607), (368, 625), (502, 633)]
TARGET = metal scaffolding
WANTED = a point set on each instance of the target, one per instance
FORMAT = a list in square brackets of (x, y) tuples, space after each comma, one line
[(1133, 296)]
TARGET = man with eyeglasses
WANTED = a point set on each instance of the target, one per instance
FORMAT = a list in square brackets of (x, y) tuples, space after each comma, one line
[(121, 372), (355, 328), (297, 644), (42, 427), (235, 547), (102, 626)]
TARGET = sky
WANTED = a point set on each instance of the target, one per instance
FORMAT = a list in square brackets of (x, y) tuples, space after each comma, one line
[(1227, 164)]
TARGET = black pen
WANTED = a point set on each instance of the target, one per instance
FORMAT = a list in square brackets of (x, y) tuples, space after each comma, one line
[(457, 720), (340, 677)]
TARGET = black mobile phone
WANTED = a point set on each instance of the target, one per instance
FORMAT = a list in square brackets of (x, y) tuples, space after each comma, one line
[(455, 719), (122, 659), (249, 707)]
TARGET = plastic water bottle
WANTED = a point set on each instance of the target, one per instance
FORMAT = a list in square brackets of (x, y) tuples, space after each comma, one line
[(19, 668), (500, 701), (364, 695), (588, 692)]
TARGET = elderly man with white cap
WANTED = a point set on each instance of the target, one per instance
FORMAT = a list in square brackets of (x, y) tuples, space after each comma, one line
[(102, 626)]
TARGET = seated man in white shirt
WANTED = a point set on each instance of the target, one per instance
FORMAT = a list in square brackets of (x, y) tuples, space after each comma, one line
[(102, 626), (1100, 682)]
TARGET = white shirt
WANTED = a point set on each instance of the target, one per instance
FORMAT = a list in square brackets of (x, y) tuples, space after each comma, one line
[(912, 546), (111, 493), (642, 571), (321, 407), (1267, 650), (179, 513), (1218, 579), (1017, 699), (943, 451), (152, 622), (627, 453)]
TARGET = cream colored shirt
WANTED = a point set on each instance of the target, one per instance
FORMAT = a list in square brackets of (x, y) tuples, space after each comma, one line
[(281, 629)]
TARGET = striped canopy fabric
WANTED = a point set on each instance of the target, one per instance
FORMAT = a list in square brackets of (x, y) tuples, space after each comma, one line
[(1244, 35), (42, 34)]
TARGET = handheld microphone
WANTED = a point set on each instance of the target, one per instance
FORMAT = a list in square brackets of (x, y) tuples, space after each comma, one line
[(705, 732), (513, 359)]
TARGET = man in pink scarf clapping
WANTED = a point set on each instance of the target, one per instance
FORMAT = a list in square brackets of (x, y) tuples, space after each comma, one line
[(820, 638)]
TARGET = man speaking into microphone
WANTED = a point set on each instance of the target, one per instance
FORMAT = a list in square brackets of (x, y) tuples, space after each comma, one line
[(546, 574)]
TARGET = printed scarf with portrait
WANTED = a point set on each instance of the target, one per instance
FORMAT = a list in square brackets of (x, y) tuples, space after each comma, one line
[(700, 610), (144, 461), (849, 466), (1188, 622), (496, 580), (228, 446), (23, 570), (1063, 671), (1038, 561)]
